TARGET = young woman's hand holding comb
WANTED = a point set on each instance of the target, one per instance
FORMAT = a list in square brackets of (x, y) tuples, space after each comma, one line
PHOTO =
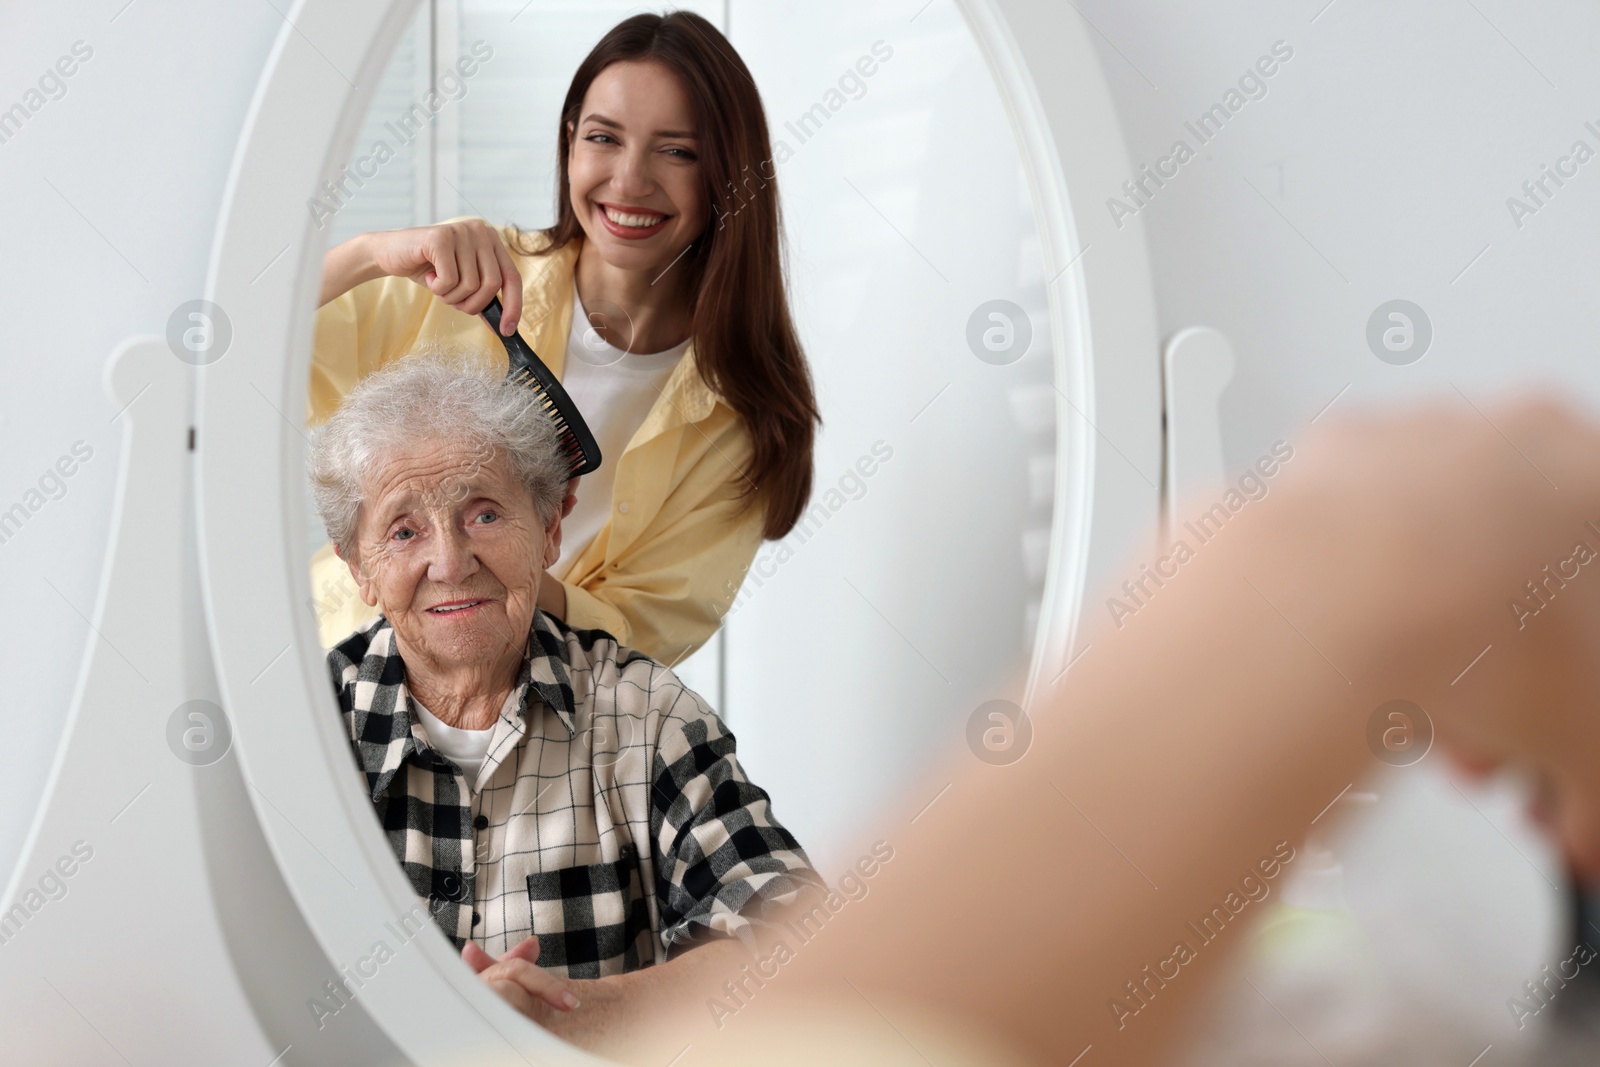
[(464, 263)]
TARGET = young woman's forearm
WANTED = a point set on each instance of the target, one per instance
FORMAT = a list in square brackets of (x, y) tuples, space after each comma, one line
[(345, 266)]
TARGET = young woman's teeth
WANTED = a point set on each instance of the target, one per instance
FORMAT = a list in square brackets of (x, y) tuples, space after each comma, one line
[(636, 221)]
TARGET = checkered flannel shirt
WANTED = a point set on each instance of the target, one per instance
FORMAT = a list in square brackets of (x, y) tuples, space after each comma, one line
[(611, 818)]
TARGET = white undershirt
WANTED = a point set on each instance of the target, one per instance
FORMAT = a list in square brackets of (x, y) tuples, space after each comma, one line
[(467, 749), (614, 390)]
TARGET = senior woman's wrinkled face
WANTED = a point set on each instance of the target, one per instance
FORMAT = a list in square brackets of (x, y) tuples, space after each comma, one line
[(451, 550)]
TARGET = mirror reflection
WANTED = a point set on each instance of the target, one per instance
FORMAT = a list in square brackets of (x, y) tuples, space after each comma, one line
[(810, 345)]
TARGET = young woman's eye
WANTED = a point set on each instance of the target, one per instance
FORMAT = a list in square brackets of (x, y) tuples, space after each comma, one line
[(598, 134), (684, 154)]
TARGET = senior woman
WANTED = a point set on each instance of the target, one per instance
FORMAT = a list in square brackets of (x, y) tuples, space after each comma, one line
[(563, 806)]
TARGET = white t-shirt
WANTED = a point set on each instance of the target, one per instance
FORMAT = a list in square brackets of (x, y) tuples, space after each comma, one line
[(614, 390), (467, 749)]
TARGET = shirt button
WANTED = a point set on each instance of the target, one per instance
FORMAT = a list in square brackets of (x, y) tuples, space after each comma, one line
[(623, 507), (480, 822), (476, 918)]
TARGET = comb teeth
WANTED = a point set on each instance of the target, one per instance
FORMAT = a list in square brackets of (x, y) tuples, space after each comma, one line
[(571, 446), (526, 370)]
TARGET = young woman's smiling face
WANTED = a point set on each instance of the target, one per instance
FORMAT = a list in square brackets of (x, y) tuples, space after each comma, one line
[(633, 169)]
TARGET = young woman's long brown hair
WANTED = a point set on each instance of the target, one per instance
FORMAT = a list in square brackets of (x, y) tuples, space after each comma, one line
[(745, 343)]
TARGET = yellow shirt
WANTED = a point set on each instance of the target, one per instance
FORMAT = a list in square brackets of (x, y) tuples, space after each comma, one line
[(662, 571)]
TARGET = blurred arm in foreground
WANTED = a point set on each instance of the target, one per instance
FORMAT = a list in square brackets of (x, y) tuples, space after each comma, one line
[(1185, 751)]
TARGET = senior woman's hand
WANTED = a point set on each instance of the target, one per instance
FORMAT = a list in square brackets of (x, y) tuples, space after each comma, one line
[(529, 988)]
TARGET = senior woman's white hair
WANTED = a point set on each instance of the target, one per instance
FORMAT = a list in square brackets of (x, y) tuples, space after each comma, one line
[(428, 396)]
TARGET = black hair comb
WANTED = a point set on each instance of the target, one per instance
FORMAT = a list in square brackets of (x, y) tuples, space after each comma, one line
[(577, 443)]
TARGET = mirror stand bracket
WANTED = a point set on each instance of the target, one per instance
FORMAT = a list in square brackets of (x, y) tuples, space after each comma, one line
[(119, 825), (1197, 366)]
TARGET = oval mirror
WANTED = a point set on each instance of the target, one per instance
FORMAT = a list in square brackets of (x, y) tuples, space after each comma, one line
[(977, 341)]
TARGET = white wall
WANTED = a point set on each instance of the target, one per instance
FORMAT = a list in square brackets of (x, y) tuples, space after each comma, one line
[(1390, 142), (90, 262)]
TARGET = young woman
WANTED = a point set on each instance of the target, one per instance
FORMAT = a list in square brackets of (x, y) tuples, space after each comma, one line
[(658, 300)]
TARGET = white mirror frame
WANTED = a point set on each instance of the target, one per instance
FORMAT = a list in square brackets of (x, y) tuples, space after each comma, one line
[(265, 275), (1103, 327)]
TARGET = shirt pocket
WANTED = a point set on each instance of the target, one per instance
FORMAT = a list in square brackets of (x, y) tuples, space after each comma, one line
[(591, 920)]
